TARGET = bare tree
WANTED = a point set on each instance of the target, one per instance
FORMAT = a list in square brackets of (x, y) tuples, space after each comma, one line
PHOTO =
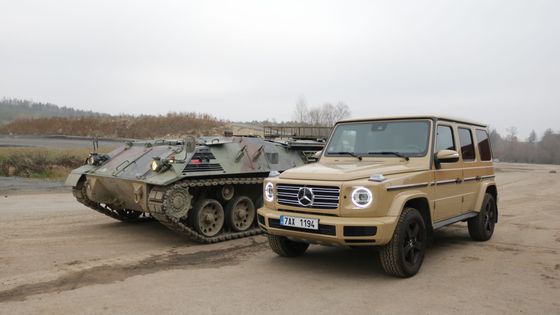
[(326, 115), (512, 134), (301, 112), (341, 111), (532, 137), (315, 116)]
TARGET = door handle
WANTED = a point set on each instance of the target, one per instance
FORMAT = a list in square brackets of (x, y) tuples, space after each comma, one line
[(458, 180)]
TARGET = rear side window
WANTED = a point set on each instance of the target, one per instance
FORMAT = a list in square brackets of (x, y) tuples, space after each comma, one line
[(467, 147), (483, 145), (444, 139)]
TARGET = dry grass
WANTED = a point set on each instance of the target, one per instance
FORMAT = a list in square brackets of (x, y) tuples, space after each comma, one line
[(141, 127), (40, 162)]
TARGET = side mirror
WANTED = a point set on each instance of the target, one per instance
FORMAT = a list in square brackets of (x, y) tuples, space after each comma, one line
[(447, 156), (318, 154)]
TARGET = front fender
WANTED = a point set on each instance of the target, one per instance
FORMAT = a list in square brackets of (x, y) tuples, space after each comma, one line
[(402, 198), (76, 175)]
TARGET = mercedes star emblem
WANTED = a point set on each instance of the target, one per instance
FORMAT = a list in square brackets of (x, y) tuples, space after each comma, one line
[(305, 196)]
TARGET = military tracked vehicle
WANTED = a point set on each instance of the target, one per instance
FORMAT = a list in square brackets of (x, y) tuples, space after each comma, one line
[(206, 188)]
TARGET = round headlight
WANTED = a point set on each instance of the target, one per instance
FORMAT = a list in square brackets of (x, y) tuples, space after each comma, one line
[(269, 192), (155, 166), (362, 197)]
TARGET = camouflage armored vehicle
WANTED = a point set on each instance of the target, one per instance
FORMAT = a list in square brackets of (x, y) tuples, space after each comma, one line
[(207, 189)]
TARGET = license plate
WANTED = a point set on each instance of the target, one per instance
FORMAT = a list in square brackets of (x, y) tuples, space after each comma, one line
[(304, 223)]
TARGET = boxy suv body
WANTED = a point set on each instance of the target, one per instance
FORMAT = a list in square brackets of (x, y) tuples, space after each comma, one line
[(386, 182)]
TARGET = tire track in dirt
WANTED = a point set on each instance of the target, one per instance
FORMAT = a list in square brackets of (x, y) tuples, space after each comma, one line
[(105, 274)]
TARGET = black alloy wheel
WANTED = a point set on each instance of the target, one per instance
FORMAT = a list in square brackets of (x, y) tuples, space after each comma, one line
[(482, 226), (403, 255)]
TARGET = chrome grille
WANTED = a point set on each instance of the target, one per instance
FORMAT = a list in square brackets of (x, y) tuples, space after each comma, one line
[(325, 197)]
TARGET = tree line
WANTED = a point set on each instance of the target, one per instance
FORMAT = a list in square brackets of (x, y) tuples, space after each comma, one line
[(325, 115), (12, 108), (510, 148)]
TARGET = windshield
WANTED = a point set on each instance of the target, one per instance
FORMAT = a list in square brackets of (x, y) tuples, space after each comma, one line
[(380, 138)]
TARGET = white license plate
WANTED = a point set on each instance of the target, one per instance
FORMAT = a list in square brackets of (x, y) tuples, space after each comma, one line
[(304, 223)]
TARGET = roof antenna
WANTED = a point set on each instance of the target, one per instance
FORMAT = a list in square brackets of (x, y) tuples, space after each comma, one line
[(95, 143)]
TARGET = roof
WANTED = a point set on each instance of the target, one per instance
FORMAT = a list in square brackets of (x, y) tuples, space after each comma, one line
[(432, 117)]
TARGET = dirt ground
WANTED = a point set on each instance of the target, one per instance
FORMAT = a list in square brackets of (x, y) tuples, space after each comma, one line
[(20, 185), (57, 257)]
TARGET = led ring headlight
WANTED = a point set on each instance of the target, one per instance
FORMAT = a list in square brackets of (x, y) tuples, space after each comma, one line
[(362, 197), (269, 191)]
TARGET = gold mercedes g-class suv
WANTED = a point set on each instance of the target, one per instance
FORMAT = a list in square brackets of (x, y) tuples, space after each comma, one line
[(385, 182)]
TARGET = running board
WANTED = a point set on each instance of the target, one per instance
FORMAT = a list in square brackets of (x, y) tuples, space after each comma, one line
[(461, 217)]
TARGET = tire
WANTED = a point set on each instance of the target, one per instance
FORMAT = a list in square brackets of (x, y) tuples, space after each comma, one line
[(482, 226), (285, 247), (208, 217), (240, 213), (259, 203), (404, 254)]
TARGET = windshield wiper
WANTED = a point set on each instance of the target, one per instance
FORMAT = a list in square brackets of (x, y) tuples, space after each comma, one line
[(390, 153), (359, 157)]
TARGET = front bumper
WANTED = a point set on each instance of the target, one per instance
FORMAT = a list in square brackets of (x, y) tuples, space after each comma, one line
[(338, 231), (117, 192)]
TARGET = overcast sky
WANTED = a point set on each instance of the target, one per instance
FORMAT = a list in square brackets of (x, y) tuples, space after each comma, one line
[(491, 61)]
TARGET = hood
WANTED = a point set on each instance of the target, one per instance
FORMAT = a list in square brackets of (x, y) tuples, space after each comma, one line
[(345, 171), (133, 161)]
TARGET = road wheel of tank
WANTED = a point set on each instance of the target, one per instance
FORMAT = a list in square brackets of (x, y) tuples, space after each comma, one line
[(226, 192), (285, 247), (240, 213), (128, 215), (404, 254), (481, 227), (208, 217)]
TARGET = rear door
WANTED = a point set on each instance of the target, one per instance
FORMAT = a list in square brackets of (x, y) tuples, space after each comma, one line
[(472, 170), (479, 169)]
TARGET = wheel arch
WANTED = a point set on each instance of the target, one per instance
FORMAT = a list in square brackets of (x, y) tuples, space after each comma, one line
[(486, 187), (423, 206), (493, 190), (414, 199)]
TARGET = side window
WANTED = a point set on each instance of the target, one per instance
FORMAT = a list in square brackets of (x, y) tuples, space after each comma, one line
[(467, 147), (444, 140), (483, 145)]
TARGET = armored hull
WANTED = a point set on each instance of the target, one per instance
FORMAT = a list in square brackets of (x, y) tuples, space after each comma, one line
[(207, 189)]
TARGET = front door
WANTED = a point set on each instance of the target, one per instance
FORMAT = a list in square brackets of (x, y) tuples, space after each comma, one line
[(448, 177)]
